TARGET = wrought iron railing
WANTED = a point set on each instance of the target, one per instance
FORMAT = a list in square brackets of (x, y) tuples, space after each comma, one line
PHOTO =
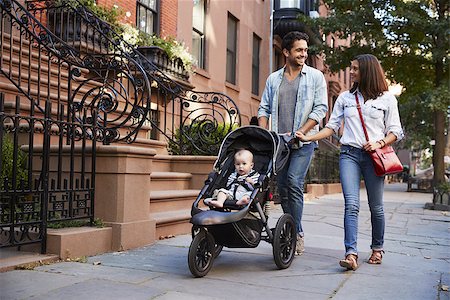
[(65, 91), (324, 167), (59, 103), (174, 109)]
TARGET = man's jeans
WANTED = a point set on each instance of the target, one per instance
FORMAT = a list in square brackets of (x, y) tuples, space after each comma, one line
[(291, 181), (354, 162)]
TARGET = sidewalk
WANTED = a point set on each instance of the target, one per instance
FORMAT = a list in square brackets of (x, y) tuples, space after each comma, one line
[(416, 264)]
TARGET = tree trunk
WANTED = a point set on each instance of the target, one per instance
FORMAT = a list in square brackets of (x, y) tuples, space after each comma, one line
[(439, 115), (439, 148)]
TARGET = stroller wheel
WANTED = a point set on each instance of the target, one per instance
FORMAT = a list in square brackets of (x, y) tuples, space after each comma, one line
[(284, 241), (201, 253), (217, 250)]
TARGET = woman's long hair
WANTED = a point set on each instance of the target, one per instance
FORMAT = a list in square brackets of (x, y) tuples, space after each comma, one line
[(372, 81)]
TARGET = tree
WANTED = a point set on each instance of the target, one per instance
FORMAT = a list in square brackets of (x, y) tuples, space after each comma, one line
[(411, 39)]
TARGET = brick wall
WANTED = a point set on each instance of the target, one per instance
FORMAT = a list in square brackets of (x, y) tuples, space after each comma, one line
[(128, 7), (168, 14), (168, 20)]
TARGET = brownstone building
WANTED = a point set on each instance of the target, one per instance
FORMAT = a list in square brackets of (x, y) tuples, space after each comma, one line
[(78, 112)]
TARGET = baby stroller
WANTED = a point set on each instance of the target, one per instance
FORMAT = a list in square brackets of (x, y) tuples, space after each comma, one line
[(242, 227)]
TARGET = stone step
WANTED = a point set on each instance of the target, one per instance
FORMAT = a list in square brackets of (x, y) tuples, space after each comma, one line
[(174, 180), (11, 259), (172, 200), (172, 223), (159, 146), (198, 166)]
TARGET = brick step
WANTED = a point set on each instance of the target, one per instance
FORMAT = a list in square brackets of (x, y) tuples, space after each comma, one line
[(198, 166), (172, 223), (176, 180), (43, 82), (160, 147), (21, 49), (172, 200)]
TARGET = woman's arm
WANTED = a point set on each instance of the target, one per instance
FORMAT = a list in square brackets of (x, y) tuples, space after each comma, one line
[(323, 133)]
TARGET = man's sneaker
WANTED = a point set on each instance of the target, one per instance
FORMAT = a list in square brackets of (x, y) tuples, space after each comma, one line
[(300, 247)]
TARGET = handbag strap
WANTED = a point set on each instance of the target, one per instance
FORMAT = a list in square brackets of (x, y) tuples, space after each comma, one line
[(358, 106)]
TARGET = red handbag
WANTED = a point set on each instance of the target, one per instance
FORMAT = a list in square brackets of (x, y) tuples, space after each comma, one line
[(384, 159)]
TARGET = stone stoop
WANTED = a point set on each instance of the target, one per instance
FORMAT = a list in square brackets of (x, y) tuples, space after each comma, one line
[(175, 180), (171, 209)]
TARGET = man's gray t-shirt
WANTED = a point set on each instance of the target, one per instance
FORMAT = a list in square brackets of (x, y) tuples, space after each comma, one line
[(287, 96)]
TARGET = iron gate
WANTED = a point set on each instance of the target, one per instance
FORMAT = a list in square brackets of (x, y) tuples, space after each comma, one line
[(50, 179)]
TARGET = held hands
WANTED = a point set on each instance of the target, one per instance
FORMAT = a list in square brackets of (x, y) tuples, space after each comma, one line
[(301, 136)]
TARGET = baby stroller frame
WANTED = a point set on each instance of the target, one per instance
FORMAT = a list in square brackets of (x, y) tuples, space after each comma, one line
[(242, 227)]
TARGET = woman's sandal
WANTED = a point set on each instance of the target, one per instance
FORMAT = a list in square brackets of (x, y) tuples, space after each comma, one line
[(350, 262), (376, 257)]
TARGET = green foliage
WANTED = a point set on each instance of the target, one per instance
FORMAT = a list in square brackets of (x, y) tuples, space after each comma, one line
[(76, 223), (110, 15), (170, 45), (444, 187), (199, 138), (8, 163)]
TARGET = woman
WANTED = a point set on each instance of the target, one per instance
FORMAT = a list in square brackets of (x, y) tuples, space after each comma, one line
[(381, 117)]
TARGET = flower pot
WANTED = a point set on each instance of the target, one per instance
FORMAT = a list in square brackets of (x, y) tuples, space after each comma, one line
[(160, 59)]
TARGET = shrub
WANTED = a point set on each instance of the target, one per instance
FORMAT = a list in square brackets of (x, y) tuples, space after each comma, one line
[(199, 138), (8, 164)]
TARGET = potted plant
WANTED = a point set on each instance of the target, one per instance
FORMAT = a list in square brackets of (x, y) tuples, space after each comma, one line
[(165, 52), (66, 20)]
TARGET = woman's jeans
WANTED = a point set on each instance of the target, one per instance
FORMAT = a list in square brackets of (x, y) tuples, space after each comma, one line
[(354, 162), (291, 181)]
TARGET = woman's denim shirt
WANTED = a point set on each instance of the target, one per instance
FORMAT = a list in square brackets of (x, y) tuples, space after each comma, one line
[(312, 99)]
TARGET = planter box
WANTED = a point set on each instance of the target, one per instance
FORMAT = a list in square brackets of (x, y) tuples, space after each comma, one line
[(77, 32), (161, 60)]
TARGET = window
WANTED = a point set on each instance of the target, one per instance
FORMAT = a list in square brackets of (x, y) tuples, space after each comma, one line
[(289, 3), (198, 32), (255, 64), (147, 16), (304, 5), (231, 49)]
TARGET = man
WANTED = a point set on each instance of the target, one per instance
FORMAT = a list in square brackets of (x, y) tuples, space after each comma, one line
[(296, 99)]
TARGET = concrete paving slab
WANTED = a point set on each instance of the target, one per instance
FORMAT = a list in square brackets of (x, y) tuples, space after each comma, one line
[(416, 264), (91, 271), (99, 289), (389, 286), (24, 284)]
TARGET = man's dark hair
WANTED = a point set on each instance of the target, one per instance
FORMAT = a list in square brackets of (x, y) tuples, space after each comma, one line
[(291, 37)]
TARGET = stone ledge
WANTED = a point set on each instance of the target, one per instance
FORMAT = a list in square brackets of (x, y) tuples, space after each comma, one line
[(79, 241), (12, 259), (319, 189)]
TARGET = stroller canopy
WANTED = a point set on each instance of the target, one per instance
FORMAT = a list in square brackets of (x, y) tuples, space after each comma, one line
[(259, 141)]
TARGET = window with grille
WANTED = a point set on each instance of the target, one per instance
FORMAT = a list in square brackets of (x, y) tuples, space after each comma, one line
[(232, 28), (198, 32), (147, 16), (255, 64)]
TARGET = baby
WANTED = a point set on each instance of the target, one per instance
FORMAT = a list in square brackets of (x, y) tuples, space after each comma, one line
[(240, 182)]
